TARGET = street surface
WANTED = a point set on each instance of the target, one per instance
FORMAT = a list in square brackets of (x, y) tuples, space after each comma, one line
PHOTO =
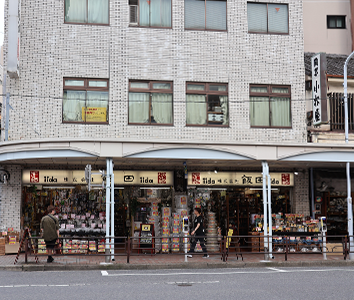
[(263, 283)]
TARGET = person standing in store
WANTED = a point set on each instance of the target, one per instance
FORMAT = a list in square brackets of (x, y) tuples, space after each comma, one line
[(50, 231), (198, 231)]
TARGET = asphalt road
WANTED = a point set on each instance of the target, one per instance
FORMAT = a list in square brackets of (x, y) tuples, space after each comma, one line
[(264, 283)]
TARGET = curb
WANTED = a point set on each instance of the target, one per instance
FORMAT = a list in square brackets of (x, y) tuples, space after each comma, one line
[(189, 265)]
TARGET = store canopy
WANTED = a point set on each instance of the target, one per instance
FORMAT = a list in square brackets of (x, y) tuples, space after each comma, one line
[(190, 153), (328, 156)]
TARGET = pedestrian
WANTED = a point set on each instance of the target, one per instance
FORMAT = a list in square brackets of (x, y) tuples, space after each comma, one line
[(198, 231), (50, 231)]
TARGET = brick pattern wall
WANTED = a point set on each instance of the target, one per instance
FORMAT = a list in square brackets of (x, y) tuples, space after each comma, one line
[(301, 204), (10, 199), (51, 50)]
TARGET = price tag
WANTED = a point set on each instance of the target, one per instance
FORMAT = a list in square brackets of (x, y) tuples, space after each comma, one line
[(92, 217), (62, 226), (77, 217), (65, 217), (99, 225), (87, 215), (83, 217), (93, 225), (83, 225), (73, 216), (101, 218)]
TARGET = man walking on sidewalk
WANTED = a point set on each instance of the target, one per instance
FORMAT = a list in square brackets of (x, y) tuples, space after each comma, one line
[(50, 228), (198, 231)]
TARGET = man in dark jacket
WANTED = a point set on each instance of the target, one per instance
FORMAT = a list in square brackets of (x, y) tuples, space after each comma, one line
[(199, 232), (50, 228)]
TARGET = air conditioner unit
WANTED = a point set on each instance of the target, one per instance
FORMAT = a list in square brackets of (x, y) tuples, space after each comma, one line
[(133, 15)]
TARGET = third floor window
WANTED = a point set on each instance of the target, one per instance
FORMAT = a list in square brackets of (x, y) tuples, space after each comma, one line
[(150, 13), (87, 11), (205, 14)]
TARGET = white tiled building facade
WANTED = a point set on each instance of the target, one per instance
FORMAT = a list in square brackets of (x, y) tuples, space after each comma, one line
[(51, 50)]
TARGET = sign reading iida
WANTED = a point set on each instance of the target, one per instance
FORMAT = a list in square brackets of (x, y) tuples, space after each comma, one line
[(52, 177), (238, 179)]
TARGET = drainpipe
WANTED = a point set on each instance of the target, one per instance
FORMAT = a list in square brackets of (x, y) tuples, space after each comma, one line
[(265, 225), (107, 208), (349, 197), (270, 214), (112, 210)]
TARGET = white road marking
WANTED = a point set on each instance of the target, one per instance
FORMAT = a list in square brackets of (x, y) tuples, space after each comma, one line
[(278, 270), (42, 285), (271, 271)]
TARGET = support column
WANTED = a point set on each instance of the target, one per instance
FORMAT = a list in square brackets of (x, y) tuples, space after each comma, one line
[(265, 222), (108, 193)]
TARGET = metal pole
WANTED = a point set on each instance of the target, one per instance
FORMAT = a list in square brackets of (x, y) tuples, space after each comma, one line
[(312, 193), (265, 225), (349, 196), (112, 210), (270, 213), (3, 101), (107, 208), (350, 214), (7, 117)]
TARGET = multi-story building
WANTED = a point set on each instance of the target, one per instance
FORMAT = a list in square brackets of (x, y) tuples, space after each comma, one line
[(167, 89)]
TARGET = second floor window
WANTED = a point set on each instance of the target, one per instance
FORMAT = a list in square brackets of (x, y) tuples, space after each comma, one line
[(270, 106), (87, 11), (336, 22), (150, 13), (267, 18), (85, 100), (150, 103), (207, 104), (205, 14)]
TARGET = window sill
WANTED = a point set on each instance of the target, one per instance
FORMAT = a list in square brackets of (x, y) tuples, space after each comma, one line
[(94, 24), (268, 33), (152, 124), (212, 30), (86, 123), (152, 27), (271, 127), (208, 125)]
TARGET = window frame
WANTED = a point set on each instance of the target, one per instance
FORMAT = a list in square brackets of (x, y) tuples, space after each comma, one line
[(336, 17), (269, 32), (85, 88), (270, 94), (150, 90), (205, 29), (98, 24), (207, 92), (141, 26)]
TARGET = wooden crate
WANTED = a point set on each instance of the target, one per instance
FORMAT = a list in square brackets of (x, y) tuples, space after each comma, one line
[(2, 246)]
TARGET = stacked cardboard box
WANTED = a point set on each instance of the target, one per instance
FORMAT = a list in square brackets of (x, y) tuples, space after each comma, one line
[(2, 246)]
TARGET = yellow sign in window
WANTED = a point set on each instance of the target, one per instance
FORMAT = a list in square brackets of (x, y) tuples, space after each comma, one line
[(94, 114)]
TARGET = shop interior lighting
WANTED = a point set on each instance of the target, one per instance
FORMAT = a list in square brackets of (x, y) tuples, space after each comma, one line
[(216, 171), (59, 187), (260, 189), (217, 189), (155, 188), (296, 173), (119, 187)]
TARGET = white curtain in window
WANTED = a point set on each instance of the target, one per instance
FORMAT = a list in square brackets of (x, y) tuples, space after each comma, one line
[(259, 111), (196, 109), (257, 17), (280, 108), (161, 108), (75, 11), (160, 11), (144, 13), (139, 107), (224, 109), (98, 11), (194, 14), (96, 99), (278, 18), (216, 15), (73, 102)]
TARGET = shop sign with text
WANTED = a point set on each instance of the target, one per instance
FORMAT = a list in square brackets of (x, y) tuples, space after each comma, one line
[(238, 179), (53, 177)]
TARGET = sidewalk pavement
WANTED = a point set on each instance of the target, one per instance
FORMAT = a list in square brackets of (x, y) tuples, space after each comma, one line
[(167, 261)]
